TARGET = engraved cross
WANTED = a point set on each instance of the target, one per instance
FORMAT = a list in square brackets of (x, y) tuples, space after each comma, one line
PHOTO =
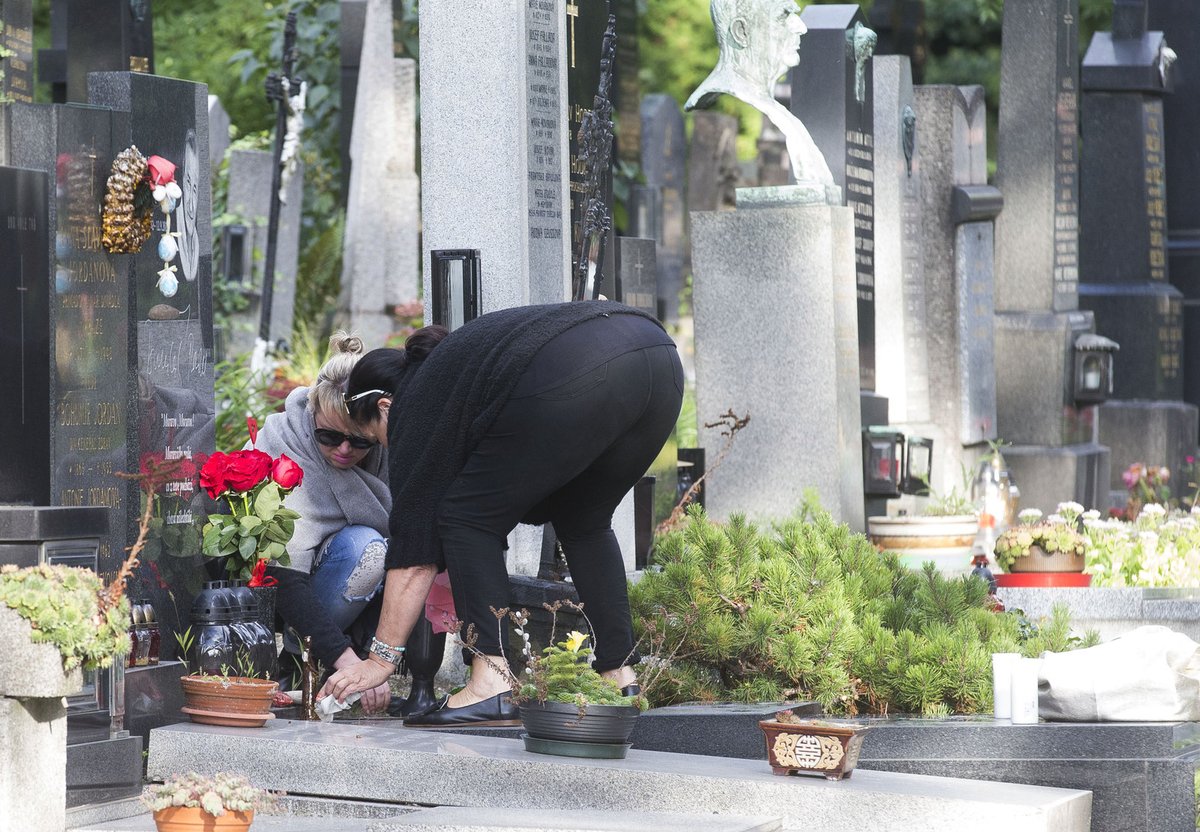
[(572, 13), (22, 291)]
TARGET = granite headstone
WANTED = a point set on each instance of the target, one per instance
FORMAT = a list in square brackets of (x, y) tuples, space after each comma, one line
[(379, 253), (353, 15), (25, 335), (712, 164), (52, 62), (832, 93), (16, 41), (107, 36), (902, 358), (664, 165), (635, 273), (499, 182), (249, 196), (219, 126), (1053, 456), (627, 88), (174, 419), (91, 427), (1123, 208)]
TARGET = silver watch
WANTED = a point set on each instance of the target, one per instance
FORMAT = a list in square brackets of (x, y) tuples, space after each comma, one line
[(391, 655)]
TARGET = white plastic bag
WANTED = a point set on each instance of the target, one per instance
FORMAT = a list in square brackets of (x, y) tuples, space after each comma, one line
[(1151, 674)]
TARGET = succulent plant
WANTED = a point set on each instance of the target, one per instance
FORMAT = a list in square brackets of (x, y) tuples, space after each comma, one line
[(63, 606), (216, 795)]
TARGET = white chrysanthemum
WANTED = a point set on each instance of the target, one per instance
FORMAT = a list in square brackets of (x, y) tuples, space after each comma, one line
[(1091, 514), (1152, 510), (1069, 507), (1030, 515), (1056, 519)]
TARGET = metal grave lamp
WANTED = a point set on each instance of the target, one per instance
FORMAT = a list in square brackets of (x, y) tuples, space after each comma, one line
[(883, 462), (1093, 368), (918, 465), (455, 281)]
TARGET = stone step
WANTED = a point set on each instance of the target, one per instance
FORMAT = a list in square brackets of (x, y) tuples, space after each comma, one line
[(472, 819), (442, 769), (467, 819)]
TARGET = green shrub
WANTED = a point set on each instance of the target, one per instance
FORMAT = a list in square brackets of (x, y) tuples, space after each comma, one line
[(809, 610)]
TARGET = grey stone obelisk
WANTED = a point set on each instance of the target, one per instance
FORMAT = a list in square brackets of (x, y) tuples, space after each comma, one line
[(1053, 456)]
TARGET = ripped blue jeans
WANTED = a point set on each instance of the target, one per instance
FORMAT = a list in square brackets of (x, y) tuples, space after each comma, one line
[(348, 575)]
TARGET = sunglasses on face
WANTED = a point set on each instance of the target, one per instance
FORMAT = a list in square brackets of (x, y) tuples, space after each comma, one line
[(332, 439)]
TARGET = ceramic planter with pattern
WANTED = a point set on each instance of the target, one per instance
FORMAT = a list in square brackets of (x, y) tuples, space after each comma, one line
[(813, 746)]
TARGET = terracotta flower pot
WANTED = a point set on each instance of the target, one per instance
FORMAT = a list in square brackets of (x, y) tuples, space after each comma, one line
[(228, 700), (195, 819), (1039, 560), (828, 749)]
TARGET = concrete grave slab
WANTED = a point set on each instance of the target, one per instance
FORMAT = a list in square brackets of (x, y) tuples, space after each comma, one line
[(439, 769)]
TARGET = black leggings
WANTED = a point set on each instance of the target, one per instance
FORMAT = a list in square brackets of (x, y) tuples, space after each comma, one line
[(567, 455)]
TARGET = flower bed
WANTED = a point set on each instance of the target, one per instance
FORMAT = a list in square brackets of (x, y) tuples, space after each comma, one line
[(1160, 548)]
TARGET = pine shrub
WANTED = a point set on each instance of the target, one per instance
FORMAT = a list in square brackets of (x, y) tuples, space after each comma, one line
[(809, 610)]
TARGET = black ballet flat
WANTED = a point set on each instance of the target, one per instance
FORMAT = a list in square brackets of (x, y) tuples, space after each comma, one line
[(632, 690), (496, 711)]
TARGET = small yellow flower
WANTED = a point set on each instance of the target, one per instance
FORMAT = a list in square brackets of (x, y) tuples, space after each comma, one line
[(575, 640)]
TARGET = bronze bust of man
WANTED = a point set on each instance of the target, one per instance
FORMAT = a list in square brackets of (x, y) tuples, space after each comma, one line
[(759, 40)]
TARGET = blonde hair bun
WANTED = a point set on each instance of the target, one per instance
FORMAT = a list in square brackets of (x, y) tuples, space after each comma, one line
[(343, 342)]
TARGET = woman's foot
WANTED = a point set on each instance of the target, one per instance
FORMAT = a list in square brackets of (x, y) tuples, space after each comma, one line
[(486, 681), (499, 710)]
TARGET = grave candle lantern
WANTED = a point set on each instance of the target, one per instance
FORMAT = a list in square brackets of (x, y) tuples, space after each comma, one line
[(1093, 368), (456, 297), (883, 462), (918, 465)]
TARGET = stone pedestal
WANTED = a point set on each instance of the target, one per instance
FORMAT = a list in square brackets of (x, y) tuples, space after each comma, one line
[(33, 729), (1048, 475), (1156, 433), (776, 337), (1054, 456)]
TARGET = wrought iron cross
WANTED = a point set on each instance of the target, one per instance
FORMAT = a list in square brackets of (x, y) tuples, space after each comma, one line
[(278, 86)]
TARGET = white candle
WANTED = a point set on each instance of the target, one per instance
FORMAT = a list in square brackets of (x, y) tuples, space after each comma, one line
[(1002, 664), (1025, 691)]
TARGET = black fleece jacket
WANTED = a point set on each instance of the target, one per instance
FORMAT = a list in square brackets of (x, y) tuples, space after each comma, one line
[(446, 403)]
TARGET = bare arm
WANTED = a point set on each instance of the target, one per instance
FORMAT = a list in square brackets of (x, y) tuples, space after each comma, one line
[(404, 593)]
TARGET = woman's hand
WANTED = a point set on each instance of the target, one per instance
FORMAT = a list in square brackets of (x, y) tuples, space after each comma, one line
[(366, 676)]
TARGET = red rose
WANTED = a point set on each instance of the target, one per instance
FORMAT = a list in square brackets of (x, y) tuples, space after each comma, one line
[(212, 474), (160, 171), (247, 469), (286, 472)]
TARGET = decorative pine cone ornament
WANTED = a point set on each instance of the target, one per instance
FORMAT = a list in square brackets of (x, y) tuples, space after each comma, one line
[(126, 212)]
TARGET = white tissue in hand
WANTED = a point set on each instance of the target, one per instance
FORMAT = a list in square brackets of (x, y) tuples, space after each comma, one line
[(329, 706)]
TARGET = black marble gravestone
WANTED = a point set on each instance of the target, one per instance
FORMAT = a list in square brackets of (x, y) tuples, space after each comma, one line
[(173, 333), (85, 317), (16, 38), (831, 92), (1123, 207), (25, 335), (52, 62), (105, 36), (1179, 21)]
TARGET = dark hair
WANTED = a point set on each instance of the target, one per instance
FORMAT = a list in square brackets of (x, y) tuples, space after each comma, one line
[(385, 368)]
